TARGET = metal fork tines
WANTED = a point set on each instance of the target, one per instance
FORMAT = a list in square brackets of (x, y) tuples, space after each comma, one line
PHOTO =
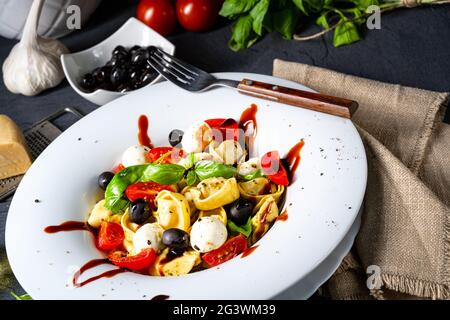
[(184, 74)]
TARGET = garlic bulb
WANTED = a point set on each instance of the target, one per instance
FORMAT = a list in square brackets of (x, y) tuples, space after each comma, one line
[(33, 64)]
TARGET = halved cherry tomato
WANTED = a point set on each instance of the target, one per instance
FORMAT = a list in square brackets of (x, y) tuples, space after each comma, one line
[(227, 251), (118, 168), (274, 169), (145, 190), (140, 261), (228, 127), (156, 153), (110, 236)]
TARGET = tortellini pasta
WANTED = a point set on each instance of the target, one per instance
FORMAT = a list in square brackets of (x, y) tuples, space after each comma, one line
[(213, 193), (219, 213), (173, 210), (248, 167), (266, 211), (99, 214), (129, 228), (257, 188), (228, 152), (176, 267)]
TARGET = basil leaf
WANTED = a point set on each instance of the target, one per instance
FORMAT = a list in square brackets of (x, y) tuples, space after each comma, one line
[(114, 200), (25, 296), (242, 34), (285, 22), (246, 229), (364, 4), (207, 169), (163, 173), (300, 4), (322, 21), (258, 173), (159, 173), (232, 8), (191, 178), (345, 33), (258, 14)]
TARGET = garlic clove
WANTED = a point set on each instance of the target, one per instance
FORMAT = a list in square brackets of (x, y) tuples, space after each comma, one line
[(34, 63)]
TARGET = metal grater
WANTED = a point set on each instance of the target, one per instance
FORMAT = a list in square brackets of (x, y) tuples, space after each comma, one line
[(38, 137)]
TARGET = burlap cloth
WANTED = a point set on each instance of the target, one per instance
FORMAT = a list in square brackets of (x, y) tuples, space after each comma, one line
[(405, 231)]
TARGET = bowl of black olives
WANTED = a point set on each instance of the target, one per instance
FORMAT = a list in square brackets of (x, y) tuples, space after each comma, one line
[(117, 65)]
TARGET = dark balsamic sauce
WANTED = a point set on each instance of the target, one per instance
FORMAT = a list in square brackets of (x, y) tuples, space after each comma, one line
[(249, 251), (143, 137)]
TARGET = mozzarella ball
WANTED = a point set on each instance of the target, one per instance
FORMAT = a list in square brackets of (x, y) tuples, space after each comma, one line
[(135, 155), (207, 234), (196, 138), (148, 236)]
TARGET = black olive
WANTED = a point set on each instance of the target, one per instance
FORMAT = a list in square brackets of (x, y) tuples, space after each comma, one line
[(240, 211), (119, 50), (119, 75), (104, 179), (139, 57), (175, 137), (148, 76), (175, 238), (134, 75), (88, 82), (175, 252), (102, 74), (134, 48), (139, 211)]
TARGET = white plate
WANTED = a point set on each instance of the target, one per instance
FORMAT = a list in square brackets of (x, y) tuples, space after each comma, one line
[(326, 196), (133, 32)]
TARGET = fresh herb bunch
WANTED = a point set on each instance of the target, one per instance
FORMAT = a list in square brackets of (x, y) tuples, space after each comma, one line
[(254, 18)]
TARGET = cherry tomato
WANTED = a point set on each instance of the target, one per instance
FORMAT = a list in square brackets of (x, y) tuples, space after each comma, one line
[(110, 236), (118, 168), (228, 127), (274, 169), (156, 153), (158, 15), (197, 15), (140, 261), (145, 190), (227, 251)]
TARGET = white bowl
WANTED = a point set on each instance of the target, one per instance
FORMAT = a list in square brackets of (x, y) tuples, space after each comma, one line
[(133, 32), (322, 203)]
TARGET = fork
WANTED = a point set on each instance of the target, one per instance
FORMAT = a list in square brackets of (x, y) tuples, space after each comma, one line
[(194, 79)]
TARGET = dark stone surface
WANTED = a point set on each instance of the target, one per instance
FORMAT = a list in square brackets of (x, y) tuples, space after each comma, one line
[(412, 48)]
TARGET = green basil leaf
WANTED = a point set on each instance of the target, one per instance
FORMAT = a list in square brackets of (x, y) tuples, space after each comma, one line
[(246, 229), (242, 34), (207, 169), (322, 21), (258, 14), (258, 173), (191, 178), (301, 5), (285, 22), (232, 8), (114, 200), (345, 33), (25, 296), (364, 4), (163, 173)]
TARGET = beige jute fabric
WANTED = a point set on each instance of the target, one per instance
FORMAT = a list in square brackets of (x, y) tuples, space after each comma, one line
[(405, 227)]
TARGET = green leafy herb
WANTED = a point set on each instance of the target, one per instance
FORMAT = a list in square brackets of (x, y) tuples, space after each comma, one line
[(258, 173), (246, 229), (163, 173), (254, 18), (114, 200), (207, 169), (346, 33), (191, 178), (159, 173), (25, 296)]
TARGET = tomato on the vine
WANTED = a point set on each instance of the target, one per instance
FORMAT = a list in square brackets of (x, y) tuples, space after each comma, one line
[(197, 15), (158, 15)]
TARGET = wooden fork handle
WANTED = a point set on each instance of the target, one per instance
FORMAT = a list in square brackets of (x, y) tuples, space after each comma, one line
[(314, 101)]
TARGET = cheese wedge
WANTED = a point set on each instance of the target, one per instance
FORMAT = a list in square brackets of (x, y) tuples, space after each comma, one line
[(14, 156)]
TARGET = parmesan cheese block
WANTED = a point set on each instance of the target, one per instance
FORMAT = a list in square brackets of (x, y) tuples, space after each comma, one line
[(14, 157)]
